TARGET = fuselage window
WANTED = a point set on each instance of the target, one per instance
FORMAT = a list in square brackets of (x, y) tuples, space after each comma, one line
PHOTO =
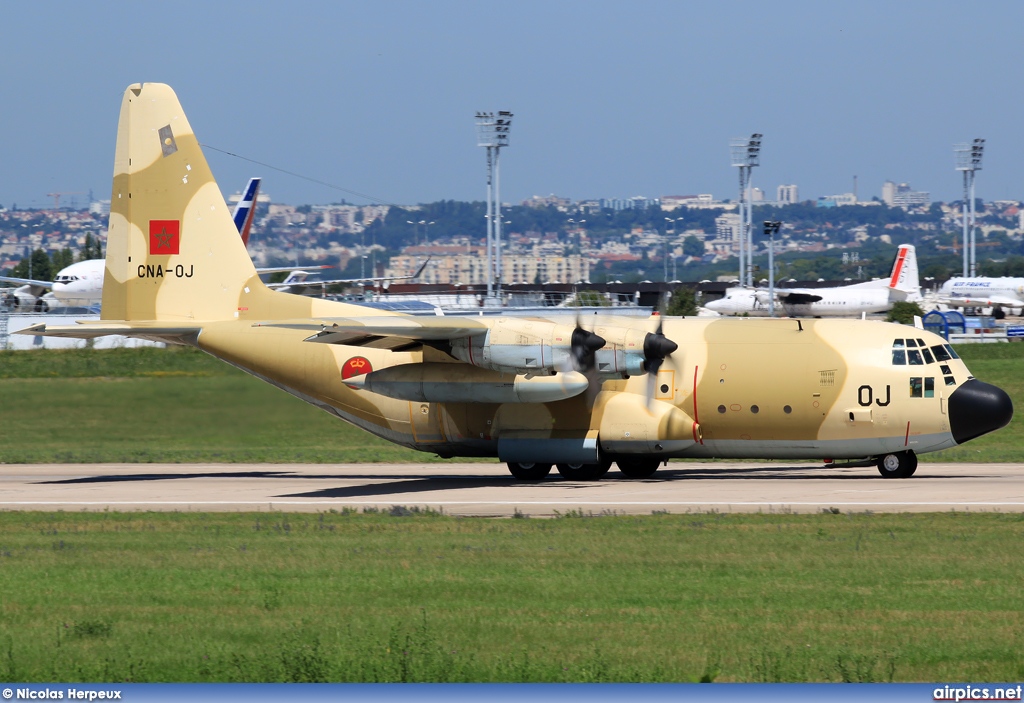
[(929, 387), (899, 357), (916, 387), (940, 353), (927, 356), (915, 357)]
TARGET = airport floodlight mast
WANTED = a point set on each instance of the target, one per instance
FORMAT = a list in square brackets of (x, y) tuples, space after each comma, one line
[(771, 228), (968, 160), (746, 153), (492, 133)]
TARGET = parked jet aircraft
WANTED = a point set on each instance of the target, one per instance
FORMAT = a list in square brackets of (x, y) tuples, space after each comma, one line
[(983, 292), (841, 301), (530, 390), (79, 284)]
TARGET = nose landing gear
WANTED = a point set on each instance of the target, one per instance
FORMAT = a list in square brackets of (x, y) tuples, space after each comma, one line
[(897, 464)]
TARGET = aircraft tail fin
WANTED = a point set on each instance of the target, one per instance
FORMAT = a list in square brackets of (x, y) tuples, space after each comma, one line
[(904, 283), (173, 252), (245, 210)]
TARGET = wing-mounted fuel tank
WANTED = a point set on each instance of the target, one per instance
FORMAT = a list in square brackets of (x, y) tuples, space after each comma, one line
[(457, 383), (631, 424)]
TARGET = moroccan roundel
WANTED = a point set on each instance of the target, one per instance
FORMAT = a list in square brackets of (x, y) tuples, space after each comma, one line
[(356, 366)]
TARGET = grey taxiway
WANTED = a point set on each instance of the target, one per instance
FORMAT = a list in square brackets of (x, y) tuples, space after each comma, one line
[(487, 489)]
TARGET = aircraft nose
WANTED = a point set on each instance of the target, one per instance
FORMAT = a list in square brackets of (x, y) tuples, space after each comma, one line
[(977, 408)]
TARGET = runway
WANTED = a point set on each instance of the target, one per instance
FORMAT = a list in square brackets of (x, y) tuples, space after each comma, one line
[(489, 490)]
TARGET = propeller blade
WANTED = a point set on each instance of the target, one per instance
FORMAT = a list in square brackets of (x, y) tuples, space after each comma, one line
[(656, 347), (584, 343)]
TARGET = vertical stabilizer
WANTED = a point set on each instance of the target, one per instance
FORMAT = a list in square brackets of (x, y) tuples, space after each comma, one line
[(245, 210), (173, 251), (904, 283)]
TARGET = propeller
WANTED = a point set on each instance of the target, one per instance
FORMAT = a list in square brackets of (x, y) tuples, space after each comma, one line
[(656, 347), (584, 344)]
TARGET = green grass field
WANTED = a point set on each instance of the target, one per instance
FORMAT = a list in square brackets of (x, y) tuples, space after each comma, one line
[(180, 405), (399, 597)]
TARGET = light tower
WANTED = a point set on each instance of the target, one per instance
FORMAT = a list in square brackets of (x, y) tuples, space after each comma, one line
[(968, 160), (746, 153), (492, 133)]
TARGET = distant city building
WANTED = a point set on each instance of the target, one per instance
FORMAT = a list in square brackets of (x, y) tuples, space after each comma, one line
[(837, 200), (702, 201), (469, 267), (787, 194), (637, 202), (552, 200), (756, 195), (99, 207), (727, 228), (902, 195)]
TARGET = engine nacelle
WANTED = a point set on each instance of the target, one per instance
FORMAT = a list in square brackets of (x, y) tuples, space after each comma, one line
[(540, 347), (519, 346), (629, 425)]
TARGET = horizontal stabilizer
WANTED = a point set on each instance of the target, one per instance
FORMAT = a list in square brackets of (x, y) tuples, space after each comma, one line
[(154, 332)]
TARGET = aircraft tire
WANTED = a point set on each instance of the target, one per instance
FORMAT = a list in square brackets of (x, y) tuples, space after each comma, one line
[(584, 472), (897, 464), (41, 306), (638, 467), (525, 471)]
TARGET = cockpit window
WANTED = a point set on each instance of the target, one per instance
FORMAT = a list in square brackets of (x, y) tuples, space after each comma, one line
[(898, 344), (920, 342), (914, 356), (911, 342), (899, 357), (952, 352), (940, 353), (927, 355)]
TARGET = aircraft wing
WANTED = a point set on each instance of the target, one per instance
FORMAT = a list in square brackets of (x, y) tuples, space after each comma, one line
[(289, 269), (374, 279), (385, 331), (26, 282), (797, 297)]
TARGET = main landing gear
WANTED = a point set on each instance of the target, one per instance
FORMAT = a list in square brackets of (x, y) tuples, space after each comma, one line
[(630, 467), (897, 464), (525, 471), (584, 472)]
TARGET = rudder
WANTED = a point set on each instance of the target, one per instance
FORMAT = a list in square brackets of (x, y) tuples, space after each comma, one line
[(904, 282)]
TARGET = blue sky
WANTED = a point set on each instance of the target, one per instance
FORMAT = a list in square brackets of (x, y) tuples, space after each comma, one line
[(611, 99)]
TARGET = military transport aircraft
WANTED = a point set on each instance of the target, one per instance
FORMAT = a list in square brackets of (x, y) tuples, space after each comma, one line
[(530, 390)]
